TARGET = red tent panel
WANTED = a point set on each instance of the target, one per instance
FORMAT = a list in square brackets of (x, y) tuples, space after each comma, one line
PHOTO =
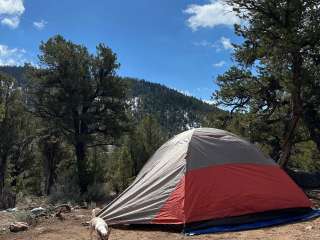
[(230, 190)]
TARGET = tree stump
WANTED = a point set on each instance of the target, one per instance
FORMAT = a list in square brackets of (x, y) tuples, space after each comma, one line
[(7, 200)]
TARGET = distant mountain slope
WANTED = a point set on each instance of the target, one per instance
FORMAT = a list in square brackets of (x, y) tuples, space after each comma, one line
[(175, 111), (17, 72)]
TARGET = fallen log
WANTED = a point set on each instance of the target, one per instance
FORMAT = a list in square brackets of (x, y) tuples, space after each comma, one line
[(59, 215), (63, 208), (18, 226)]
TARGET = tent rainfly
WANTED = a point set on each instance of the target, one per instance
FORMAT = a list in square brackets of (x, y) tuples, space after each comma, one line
[(206, 177)]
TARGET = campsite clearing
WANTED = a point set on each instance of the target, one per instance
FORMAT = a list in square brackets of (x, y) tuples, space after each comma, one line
[(71, 228)]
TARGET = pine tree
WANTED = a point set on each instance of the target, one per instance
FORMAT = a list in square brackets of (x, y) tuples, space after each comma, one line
[(80, 95), (281, 42)]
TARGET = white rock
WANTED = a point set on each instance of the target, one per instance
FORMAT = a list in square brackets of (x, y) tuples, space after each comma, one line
[(12, 209), (79, 217), (308, 227), (38, 210)]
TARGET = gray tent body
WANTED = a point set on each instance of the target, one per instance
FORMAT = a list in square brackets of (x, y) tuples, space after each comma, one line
[(168, 188)]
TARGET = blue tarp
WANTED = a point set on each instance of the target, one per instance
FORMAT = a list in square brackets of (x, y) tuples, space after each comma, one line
[(259, 224)]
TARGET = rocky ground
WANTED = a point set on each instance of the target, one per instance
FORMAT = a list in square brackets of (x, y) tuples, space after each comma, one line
[(70, 226)]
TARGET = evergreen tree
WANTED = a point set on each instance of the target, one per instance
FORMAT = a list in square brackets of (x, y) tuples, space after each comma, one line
[(145, 140), (8, 103), (281, 42), (121, 170), (51, 147), (15, 138), (80, 95)]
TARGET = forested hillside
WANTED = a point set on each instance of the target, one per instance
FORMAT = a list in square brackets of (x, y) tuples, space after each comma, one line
[(55, 145), (17, 72), (174, 111)]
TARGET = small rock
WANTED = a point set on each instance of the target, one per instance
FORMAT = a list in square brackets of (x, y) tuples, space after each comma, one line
[(12, 209), (79, 217), (38, 210), (308, 228), (40, 229), (18, 226), (85, 224), (76, 207)]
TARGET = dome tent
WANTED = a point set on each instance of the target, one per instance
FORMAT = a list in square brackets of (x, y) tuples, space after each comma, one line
[(205, 175)]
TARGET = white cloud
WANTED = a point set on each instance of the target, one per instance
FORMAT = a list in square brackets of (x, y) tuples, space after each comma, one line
[(215, 13), (203, 89), (222, 44), (40, 24), (10, 12), (11, 56), (219, 64), (12, 22), (11, 7), (226, 43), (203, 43)]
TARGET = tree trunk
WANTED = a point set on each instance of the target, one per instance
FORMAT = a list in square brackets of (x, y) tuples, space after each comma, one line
[(14, 175), (3, 166), (276, 149), (49, 181), (315, 136), (288, 143), (51, 151), (312, 121), (296, 109), (7, 199), (80, 148), (82, 166), (2, 174), (49, 166)]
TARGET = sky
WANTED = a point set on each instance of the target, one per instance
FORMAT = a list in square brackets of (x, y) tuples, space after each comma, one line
[(183, 44)]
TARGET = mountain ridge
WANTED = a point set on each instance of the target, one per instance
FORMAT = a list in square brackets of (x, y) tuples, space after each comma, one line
[(174, 110)]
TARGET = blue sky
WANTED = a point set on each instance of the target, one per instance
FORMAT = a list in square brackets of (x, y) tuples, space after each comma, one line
[(183, 44)]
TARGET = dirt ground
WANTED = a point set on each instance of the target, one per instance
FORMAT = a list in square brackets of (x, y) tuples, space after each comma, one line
[(51, 228), (72, 228)]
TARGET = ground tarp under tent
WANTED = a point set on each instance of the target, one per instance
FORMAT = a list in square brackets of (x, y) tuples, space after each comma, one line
[(207, 178)]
